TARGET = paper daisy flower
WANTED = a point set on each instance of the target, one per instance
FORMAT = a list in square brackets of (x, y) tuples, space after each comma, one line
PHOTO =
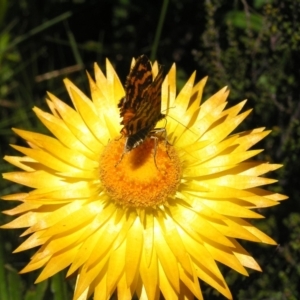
[(150, 221)]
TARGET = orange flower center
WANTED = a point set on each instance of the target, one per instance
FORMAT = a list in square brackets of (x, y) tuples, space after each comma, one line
[(141, 178)]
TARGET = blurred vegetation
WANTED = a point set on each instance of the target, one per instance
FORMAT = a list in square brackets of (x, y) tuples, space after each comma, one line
[(251, 46)]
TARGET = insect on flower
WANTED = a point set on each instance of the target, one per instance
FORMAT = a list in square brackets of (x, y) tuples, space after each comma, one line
[(141, 106)]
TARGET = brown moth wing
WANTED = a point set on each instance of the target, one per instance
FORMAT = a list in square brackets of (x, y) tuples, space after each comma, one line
[(149, 111), (140, 109), (137, 82)]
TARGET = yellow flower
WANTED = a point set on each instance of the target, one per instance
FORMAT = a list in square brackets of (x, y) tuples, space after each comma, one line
[(152, 223)]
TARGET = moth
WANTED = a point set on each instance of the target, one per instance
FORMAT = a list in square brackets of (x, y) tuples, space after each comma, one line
[(140, 109)]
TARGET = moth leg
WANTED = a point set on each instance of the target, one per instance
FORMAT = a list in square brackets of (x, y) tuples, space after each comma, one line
[(155, 138), (161, 131), (123, 153), (117, 139)]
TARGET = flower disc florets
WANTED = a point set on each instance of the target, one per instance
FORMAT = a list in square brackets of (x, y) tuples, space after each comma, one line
[(145, 177)]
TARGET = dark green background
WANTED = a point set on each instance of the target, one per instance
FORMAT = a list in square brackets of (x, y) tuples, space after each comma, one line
[(251, 46)]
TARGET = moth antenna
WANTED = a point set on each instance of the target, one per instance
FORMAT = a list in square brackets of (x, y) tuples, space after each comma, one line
[(179, 123)]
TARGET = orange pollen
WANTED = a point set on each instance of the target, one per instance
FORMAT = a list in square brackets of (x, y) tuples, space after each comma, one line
[(140, 179)]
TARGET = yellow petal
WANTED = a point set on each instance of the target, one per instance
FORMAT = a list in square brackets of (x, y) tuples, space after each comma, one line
[(134, 248)]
